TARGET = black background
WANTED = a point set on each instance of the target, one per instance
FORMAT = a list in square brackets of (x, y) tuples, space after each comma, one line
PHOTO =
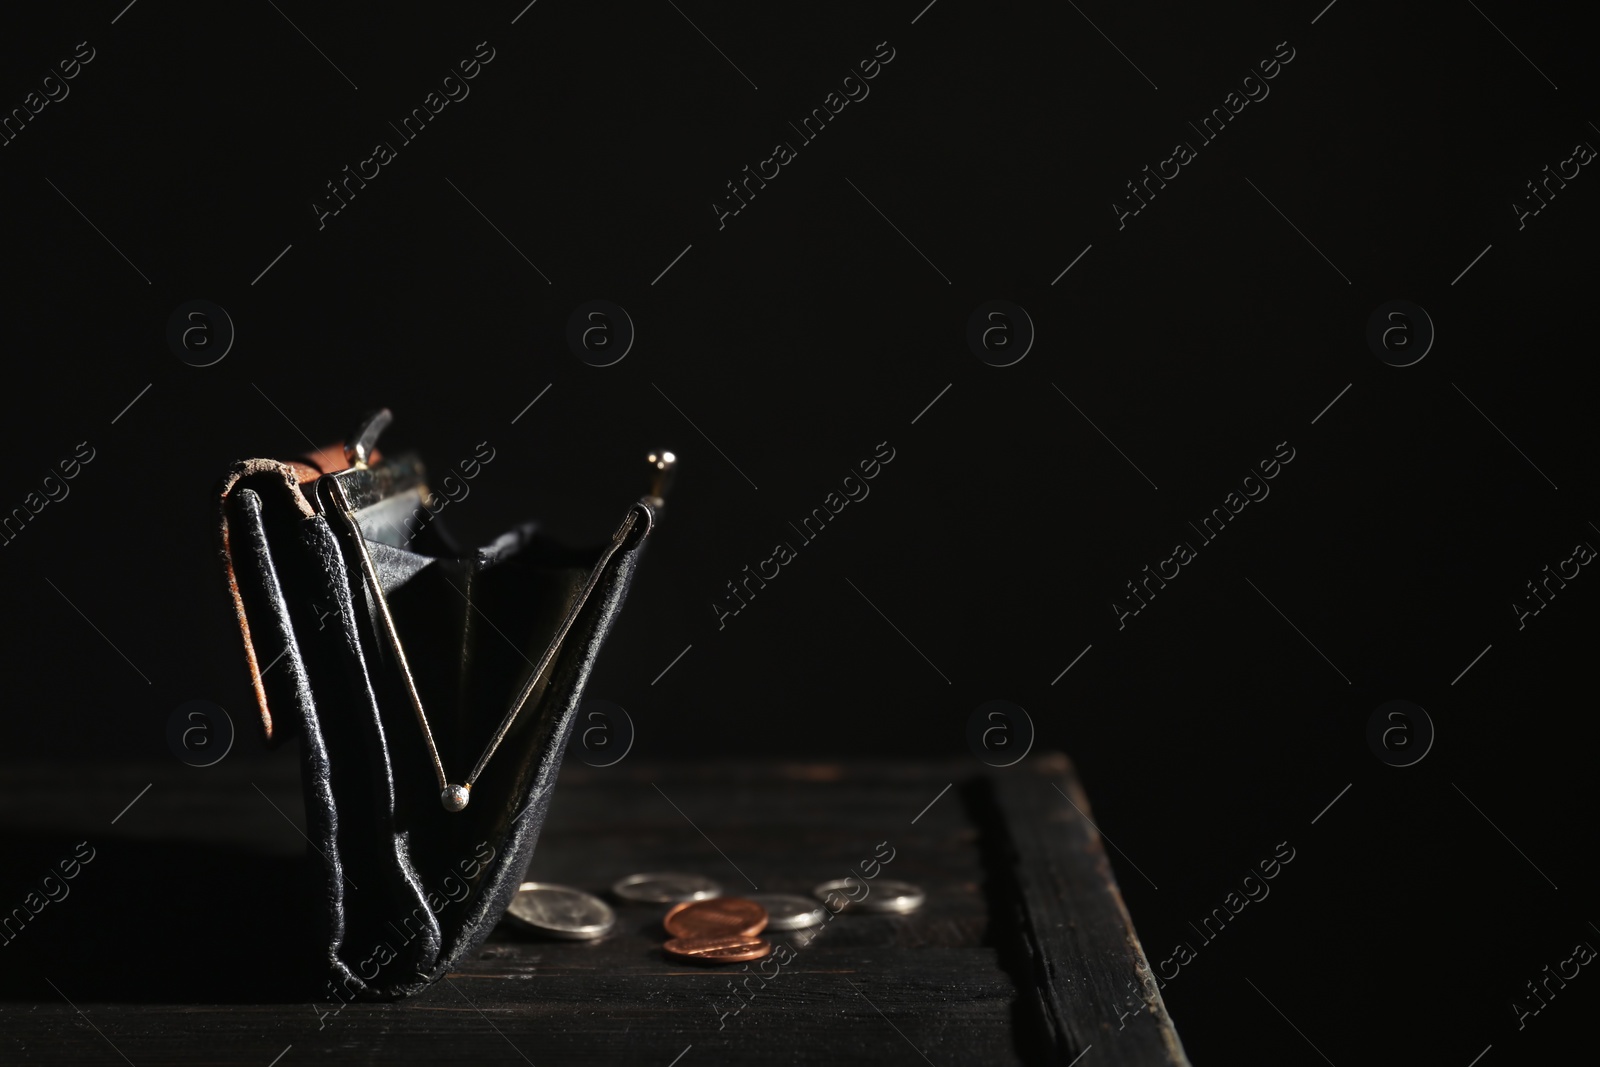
[(808, 330)]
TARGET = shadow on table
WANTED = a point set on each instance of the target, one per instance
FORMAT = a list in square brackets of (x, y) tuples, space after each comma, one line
[(152, 921)]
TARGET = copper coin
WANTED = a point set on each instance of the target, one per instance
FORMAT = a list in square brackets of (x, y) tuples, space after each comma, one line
[(718, 917), (719, 949)]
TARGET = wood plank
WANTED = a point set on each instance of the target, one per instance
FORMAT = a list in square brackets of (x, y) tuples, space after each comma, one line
[(1091, 980), (180, 941)]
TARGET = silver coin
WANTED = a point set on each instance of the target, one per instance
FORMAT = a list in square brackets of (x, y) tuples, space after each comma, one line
[(785, 911), (561, 911), (665, 888), (885, 895)]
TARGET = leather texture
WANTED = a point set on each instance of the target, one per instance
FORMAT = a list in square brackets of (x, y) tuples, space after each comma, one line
[(409, 888)]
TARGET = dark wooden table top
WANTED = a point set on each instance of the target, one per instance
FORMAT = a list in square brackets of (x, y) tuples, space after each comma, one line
[(180, 941)]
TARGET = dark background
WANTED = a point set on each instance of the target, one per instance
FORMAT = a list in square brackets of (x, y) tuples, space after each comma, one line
[(807, 331)]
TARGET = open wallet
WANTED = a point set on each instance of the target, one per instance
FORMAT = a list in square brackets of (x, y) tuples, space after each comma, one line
[(433, 692)]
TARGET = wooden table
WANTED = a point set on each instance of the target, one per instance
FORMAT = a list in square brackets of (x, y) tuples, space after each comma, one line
[(180, 941)]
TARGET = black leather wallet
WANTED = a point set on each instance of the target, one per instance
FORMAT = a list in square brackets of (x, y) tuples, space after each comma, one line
[(432, 690)]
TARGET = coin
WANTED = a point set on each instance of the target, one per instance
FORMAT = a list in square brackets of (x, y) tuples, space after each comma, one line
[(886, 895), (665, 888), (561, 911), (719, 949), (785, 911), (719, 917)]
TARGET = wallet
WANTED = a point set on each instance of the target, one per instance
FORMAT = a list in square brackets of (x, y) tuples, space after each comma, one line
[(432, 690)]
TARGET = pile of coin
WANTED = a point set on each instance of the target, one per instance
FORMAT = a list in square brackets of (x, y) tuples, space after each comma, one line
[(719, 930), (703, 925)]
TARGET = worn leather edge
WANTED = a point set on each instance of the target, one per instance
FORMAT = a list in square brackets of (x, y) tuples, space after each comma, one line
[(293, 475)]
